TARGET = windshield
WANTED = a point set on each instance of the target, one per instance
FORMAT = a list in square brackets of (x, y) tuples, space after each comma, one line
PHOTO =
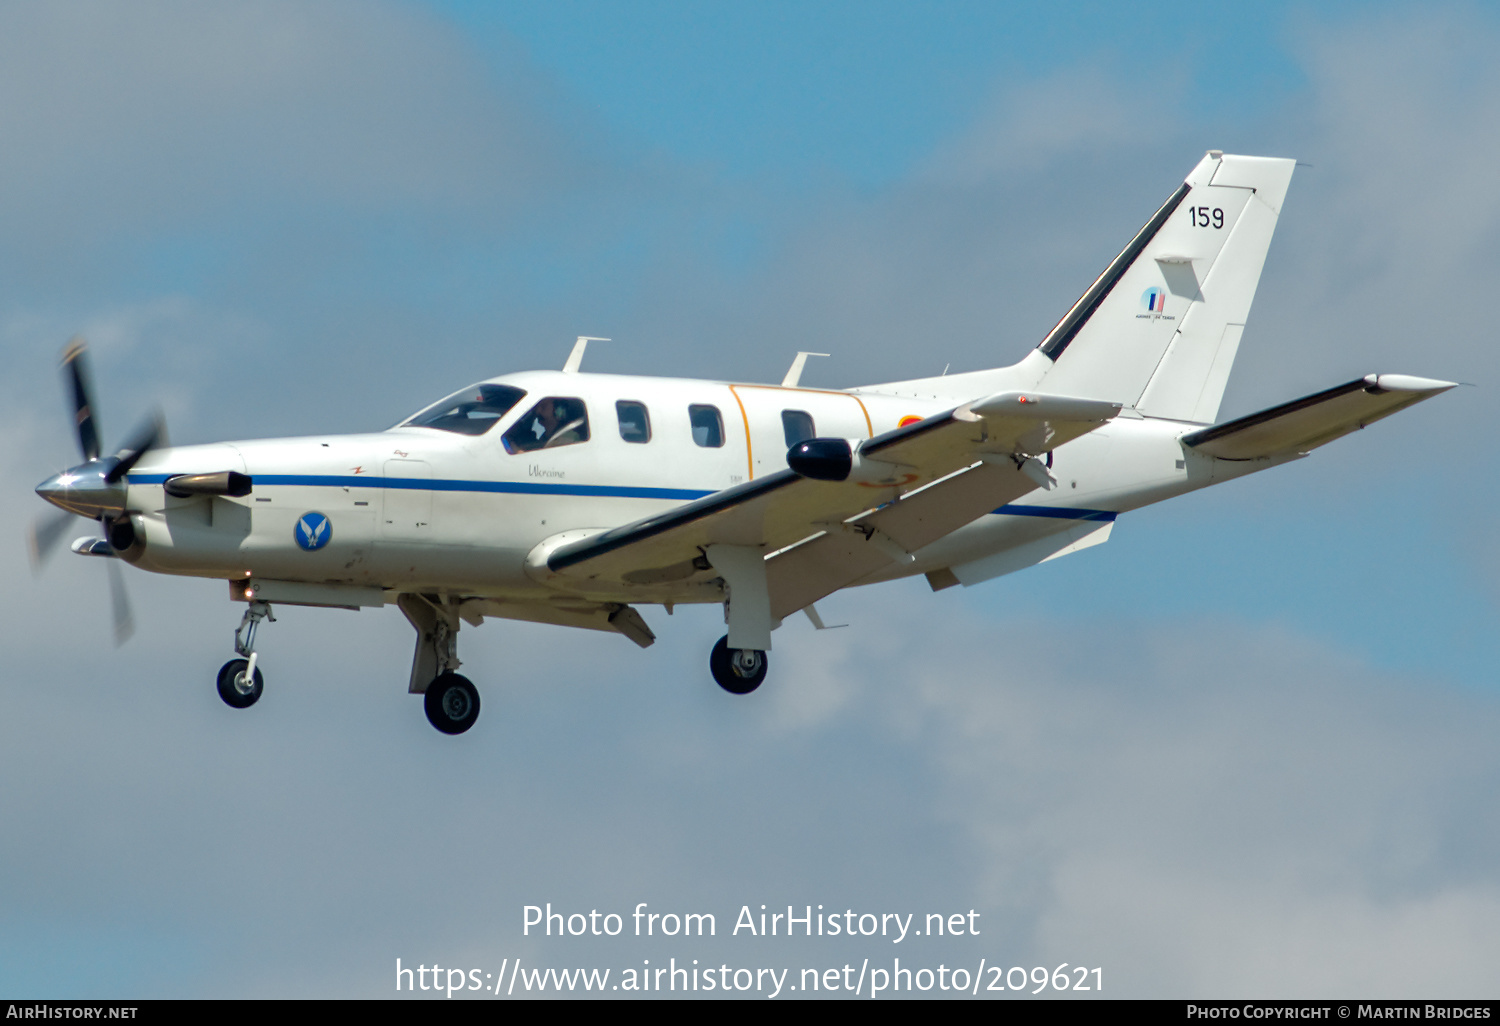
[(471, 412)]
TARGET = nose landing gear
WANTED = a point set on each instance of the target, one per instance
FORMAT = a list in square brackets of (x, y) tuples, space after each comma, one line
[(240, 686), (240, 680)]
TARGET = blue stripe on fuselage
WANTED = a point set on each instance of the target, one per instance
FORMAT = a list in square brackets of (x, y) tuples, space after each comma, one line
[(537, 488), (440, 485)]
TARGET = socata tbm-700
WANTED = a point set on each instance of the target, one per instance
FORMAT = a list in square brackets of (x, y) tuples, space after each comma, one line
[(573, 499)]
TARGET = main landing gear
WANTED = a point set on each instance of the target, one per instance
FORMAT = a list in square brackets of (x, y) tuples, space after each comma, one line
[(240, 680), (738, 671), (739, 668), (451, 703), (450, 699)]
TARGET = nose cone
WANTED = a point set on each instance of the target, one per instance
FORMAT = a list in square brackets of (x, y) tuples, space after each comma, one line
[(84, 491), (55, 490)]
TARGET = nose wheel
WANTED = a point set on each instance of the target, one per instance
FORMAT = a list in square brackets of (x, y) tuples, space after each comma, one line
[(451, 702), (239, 685), (240, 680), (738, 671)]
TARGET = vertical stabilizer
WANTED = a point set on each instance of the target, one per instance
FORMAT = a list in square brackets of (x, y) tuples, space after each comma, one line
[(1159, 329)]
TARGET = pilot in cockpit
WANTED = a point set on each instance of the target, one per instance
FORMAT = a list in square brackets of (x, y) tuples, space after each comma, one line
[(550, 423)]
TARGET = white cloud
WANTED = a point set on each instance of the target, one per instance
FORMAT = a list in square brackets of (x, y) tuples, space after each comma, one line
[(1205, 808), (143, 111), (1034, 126)]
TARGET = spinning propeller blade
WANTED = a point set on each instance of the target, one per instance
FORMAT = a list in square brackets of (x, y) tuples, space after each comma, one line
[(146, 437), (119, 603), (46, 531), (75, 369)]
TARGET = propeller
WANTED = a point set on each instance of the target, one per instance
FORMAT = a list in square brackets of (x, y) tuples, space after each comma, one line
[(95, 488), (75, 369), (119, 604), (146, 437), (46, 531)]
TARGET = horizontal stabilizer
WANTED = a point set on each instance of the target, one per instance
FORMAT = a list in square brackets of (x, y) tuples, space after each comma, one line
[(1304, 424)]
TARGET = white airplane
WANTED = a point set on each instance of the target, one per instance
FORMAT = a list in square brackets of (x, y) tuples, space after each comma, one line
[(570, 498)]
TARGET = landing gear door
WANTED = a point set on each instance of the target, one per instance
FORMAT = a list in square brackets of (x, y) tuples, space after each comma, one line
[(407, 506)]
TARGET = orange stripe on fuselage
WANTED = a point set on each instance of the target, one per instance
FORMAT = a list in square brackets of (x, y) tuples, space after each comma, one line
[(745, 417)]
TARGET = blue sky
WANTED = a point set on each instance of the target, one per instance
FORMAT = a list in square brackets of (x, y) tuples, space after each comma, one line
[(866, 91), (1238, 749)]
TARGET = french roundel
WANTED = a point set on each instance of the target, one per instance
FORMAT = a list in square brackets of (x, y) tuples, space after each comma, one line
[(313, 531)]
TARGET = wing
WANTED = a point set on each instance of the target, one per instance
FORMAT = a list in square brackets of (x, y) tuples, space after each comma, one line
[(871, 541), (1302, 425), (900, 491)]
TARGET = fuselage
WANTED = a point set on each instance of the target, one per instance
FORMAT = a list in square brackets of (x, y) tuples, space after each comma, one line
[(436, 510)]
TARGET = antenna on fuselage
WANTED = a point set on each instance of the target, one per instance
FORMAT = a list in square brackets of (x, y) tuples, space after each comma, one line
[(794, 372), (575, 358)]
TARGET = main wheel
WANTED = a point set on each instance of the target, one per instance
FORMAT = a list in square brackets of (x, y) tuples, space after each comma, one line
[(237, 692), (738, 671), (452, 703)]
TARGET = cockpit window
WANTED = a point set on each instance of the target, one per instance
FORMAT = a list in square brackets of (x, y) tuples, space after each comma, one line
[(471, 412), (553, 422)]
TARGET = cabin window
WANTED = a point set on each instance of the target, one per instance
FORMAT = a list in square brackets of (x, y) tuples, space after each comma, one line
[(471, 412), (555, 421), (635, 422), (708, 426), (797, 426)]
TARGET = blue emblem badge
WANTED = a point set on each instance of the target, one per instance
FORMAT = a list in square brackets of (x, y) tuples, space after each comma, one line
[(313, 531)]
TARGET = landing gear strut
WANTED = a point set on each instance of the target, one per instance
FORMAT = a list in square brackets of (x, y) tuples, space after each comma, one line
[(738, 671), (240, 680), (450, 699)]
